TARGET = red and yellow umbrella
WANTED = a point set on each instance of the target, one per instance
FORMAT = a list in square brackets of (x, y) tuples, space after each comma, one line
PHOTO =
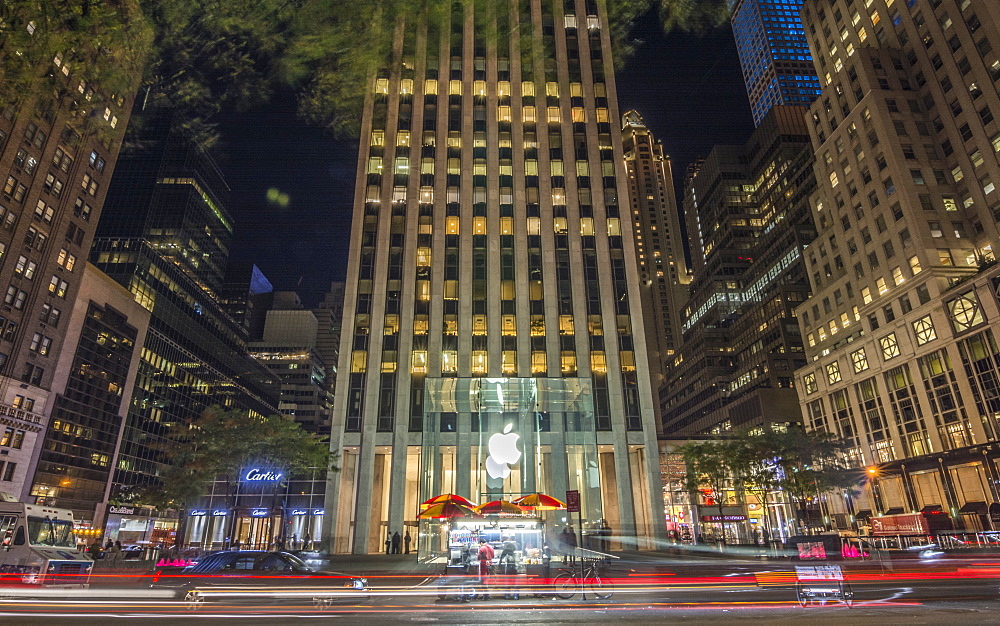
[(499, 507), (539, 502), (447, 510), (448, 497)]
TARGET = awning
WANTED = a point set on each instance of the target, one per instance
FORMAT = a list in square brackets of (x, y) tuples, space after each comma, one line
[(864, 514), (977, 508), (896, 510), (932, 508)]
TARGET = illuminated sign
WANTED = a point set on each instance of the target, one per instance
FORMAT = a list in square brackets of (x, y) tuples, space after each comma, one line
[(298, 512), (723, 518), (259, 512), (122, 510), (219, 513), (256, 475), (318, 511), (503, 453), (198, 513)]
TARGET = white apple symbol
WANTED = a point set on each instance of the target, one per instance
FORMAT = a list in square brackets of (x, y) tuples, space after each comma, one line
[(503, 453)]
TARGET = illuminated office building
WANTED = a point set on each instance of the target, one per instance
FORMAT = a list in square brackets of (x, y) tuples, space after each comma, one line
[(901, 330), (663, 271), (774, 55), (493, 280)]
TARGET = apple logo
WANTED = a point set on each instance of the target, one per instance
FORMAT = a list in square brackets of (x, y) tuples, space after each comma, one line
[(503, 453)]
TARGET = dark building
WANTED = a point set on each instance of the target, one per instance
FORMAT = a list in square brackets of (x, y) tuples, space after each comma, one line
[(94, 381), (246, 296), (170, 193), (749, 220), (166, 239)]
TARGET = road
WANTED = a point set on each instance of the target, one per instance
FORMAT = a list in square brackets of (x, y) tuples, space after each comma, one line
[(950, 593)]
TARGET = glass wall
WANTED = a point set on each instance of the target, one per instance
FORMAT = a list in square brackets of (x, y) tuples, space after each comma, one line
[(500, 438)]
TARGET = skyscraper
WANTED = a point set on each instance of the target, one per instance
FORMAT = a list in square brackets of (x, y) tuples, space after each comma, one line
[(493, 280), (165, 238), (777, 66), (901, 330), (748, 216), (663, 271), (58, 147)]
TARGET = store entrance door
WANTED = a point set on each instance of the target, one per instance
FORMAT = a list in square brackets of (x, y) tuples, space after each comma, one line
[(257, 533)]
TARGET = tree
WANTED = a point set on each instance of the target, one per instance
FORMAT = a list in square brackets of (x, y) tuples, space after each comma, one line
[(103, 43), (812, 463), (199, 56), (708, 467), (220, 443)]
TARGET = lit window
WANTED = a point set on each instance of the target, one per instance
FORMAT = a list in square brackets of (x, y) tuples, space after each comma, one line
[(810, 382), (833, 373), (965, 311), (924, 330), (859, 361), (890, 346)]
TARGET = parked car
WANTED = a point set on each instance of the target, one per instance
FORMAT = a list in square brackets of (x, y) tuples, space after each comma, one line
[(254, 575)]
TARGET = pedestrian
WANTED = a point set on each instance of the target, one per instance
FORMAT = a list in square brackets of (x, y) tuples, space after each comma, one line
[(395, 542), (605, 535), (406, 542), (388, 543), (116, 552), (307, 542), (95, 550), (570, 538), (755, 537), (108, 546), (485, 556), (508, 561)]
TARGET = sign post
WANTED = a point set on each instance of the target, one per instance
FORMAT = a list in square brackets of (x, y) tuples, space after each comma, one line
[(573, 506)]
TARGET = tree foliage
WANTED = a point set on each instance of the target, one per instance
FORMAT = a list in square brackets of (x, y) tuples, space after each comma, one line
[(109, 38), (201, 56), (220, 443), (802, 464)]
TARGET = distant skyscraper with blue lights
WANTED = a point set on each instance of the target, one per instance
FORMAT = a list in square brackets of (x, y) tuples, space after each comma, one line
[(777, 65)]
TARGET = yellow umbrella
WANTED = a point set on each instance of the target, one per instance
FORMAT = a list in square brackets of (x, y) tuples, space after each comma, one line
[(447, 510), (540, 502), (499, 507), (448, 497)]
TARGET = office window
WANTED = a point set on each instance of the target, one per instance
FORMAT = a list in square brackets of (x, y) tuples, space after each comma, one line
[(923, 328), (859, 361), (890, 346)]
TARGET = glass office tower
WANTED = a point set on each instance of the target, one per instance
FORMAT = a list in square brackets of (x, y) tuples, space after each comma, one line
[(489, 244), (774, 55)]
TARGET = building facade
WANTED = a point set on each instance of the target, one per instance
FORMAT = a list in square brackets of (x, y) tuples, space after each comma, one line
[(493, 278), (774, 55), (58, 148), (93, 383), (901, 329), (165, 239), (749, 220), (663, 270)]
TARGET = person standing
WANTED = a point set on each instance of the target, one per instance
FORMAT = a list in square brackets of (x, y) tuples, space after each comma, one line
[(406, 543), (388, 542), (395, 542), (570, 543), (485, 556)]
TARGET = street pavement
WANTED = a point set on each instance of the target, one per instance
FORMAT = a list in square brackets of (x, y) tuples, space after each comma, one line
[(649, 588)]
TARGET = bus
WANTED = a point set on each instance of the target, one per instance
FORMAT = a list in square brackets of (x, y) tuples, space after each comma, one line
[(37, 546)]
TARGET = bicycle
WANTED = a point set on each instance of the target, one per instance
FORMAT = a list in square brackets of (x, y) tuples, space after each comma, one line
[(569, 583)]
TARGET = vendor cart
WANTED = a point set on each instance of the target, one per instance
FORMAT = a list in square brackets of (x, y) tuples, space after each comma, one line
[(819, 584)]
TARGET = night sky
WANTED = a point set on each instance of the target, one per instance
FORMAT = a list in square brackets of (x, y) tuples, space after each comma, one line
[(688, 88)]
